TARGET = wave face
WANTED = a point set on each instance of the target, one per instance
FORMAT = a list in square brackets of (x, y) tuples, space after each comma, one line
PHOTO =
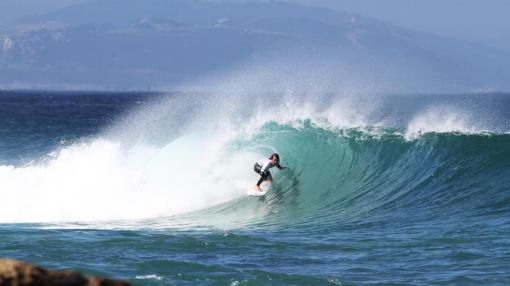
[(186, 160), (352, 176)]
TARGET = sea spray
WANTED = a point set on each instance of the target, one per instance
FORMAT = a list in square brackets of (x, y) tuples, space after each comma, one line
[(181, 153)]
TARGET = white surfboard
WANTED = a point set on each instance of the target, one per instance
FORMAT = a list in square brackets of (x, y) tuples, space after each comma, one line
[(253, 192)]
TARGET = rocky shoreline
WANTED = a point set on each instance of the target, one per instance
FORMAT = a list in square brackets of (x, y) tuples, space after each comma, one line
[(19, 273)]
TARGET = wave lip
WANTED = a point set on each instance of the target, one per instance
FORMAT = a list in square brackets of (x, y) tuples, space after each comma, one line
[(445, 119)]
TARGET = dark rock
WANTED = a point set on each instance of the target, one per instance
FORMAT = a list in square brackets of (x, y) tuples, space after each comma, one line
[(18, 273)]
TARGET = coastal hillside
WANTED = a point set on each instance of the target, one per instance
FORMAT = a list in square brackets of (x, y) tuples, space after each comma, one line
[(129, 45)]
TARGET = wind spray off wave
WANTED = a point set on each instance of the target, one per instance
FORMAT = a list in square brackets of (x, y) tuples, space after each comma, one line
[(190, 152)]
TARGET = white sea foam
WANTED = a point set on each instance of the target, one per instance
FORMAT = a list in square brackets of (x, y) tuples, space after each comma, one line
[(102, 180), (443, 119), (149, 277)]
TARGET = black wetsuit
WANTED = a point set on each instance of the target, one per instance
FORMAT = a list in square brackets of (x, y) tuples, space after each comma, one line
[(262, 168)]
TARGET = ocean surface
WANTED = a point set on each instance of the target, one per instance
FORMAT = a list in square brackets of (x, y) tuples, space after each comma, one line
[(151, 188)]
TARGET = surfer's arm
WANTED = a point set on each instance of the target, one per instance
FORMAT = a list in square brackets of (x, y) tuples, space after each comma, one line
[(280, 167)]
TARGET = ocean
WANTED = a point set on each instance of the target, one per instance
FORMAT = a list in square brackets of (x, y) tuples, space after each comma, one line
[(408, 189)]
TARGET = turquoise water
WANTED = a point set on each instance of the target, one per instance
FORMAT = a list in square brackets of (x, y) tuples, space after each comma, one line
[(414, 190)]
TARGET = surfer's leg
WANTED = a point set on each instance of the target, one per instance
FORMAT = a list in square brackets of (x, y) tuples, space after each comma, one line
[(256, 168), (257, 187), (261, 179), (269, 178)]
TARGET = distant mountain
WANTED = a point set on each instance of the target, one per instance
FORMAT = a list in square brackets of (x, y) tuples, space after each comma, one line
[(11, 10), (159, 44)]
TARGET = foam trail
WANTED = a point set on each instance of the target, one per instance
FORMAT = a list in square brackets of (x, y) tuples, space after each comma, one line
[(102, 180)]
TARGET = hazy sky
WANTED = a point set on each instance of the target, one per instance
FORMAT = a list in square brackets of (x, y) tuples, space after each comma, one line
[(480, 21), (474, 20), (13, 9)]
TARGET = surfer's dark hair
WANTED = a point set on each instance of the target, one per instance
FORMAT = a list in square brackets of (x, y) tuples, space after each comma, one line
[(275, 155)]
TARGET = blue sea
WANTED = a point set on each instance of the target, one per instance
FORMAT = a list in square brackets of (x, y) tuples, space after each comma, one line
[(407, 189)]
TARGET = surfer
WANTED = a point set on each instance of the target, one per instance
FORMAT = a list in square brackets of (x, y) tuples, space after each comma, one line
[(262, 168)]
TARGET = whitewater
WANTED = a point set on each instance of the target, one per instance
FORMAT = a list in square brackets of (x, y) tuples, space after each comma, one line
[(409, 188)]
